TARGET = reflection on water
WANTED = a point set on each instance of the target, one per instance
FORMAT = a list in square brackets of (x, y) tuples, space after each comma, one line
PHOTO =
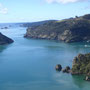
[(79, 80), (2, 47)]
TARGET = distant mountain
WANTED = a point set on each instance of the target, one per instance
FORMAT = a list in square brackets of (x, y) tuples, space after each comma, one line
[(35, 23), (68, 30)]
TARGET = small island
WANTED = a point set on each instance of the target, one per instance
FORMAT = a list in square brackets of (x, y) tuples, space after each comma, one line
[(80, 66), (5, 40), (68, 30)]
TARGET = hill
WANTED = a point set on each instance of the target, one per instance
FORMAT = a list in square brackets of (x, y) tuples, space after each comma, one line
[(68, 30), (30, 24)]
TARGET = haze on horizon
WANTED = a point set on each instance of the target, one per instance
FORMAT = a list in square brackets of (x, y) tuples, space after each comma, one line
[(38, 10)]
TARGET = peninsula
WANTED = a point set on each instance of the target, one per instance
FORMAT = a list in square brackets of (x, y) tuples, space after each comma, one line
[(68, 30)]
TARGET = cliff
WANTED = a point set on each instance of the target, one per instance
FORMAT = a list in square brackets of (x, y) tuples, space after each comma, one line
[(67, 30), (5, 40)]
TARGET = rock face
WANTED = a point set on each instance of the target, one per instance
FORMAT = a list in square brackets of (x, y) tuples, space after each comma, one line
[(81, 64), (5, 40), (68, 30)]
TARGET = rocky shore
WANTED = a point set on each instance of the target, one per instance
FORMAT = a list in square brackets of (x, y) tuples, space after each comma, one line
[(80, 66), (68, 30), (5, 40)]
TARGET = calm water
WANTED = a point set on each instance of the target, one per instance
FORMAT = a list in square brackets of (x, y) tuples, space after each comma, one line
[(29, 64)]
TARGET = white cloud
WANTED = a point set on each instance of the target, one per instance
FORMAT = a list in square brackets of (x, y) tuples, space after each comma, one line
[(3, 10), (65, 1)]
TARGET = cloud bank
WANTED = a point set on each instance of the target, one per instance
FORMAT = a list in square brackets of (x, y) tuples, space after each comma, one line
[(3, 10), (65, 1)]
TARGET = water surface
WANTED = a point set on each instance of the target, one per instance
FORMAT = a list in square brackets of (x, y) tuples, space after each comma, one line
[(29, 64)]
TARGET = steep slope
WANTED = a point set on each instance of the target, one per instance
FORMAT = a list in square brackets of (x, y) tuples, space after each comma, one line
[(68, 30), (5, 40)]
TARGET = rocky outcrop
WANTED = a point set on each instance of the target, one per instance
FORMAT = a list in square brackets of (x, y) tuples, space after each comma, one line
[(66, 70), (4, 27), (5, 40), (58, 67), (68, 30), (81, 65)]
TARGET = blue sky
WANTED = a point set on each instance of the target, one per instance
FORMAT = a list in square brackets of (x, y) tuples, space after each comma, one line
[(38, 10)]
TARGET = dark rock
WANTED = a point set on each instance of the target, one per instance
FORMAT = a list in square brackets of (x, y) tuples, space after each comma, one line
[(4, 28), (1, 28), (5, 40), (66, 70), (68, 30), (58, 67)]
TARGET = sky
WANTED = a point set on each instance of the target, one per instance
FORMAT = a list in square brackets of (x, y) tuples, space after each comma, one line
[(39, 10)]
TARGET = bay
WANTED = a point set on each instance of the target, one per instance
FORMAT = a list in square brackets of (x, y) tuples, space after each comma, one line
[(29, 64)]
